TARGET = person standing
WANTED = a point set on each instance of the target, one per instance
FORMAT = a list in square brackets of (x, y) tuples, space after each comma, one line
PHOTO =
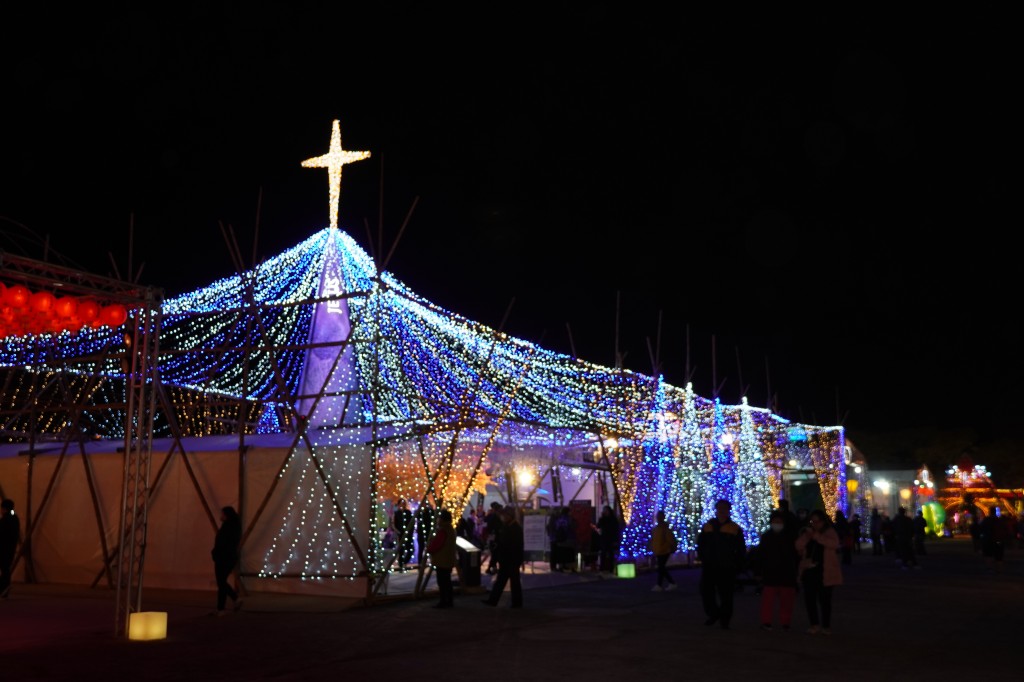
[(993, 534), (402, 522), (554, 555), (565, 540), (10, 535), (793, 523), (856, 531), (442, 556), (721, 551), (820, 570), (608, 527), (842, 526), (920, 531), (424, 530), (903, 535), (775, 565), (226, 553), (875, 529), (510, 560), (664, 545)]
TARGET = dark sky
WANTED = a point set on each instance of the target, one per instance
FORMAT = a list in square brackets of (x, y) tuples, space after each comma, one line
[(820, 203)]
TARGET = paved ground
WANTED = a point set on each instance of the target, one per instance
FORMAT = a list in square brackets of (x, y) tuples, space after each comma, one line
[(951, 618)]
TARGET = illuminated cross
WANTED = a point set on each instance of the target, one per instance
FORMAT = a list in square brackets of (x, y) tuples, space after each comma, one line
[(333, 160)]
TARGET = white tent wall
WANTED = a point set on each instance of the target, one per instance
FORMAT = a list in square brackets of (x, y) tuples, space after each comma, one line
[(66, 543)]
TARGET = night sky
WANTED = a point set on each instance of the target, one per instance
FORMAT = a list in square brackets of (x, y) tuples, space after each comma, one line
[(821, 204)]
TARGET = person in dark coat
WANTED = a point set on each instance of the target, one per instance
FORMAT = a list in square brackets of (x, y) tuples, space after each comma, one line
[(510, 560), (442, 550), (226, 554), (608, 527), (402, 522), (492, 527), (424, 530), (10, 535), (920, 532), (845, 533), (722, 553), (875, 529), (857, 532), (793, 523), (776, 565), (903, 534)]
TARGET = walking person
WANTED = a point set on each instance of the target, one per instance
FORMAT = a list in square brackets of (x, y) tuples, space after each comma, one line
[(510, 560), (492, 526), (226, 554), (10, 535), (775, 566), (820, 571), (664, 545), (442, 557), (722, 552)]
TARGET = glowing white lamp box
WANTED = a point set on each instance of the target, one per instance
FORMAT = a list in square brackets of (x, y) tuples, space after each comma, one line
[(147, 625)]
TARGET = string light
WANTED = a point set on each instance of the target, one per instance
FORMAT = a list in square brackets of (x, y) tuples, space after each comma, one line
[(317, 334)]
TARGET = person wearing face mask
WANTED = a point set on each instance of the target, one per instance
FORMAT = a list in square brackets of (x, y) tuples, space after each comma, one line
[(776, 568)]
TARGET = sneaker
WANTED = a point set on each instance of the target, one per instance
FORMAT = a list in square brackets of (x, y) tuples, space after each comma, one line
[(826, 631), (711, 621), (238, 605), (767, 627), (671, 586), (221, 613), (6, 592), (656, 588), (813, 630)]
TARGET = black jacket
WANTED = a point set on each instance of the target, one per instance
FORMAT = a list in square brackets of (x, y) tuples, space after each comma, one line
[(720, 547), (776, 560), (509, 549), (229, 537), (10, 533)]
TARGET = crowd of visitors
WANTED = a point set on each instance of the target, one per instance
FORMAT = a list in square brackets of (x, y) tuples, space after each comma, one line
[(800, 554)]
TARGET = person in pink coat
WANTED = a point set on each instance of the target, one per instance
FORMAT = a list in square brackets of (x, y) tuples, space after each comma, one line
[(818, 545)]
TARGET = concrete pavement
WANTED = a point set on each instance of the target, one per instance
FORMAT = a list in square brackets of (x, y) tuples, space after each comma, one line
[(953, 617)]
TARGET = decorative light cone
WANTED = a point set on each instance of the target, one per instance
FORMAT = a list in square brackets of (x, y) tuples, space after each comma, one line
[(147, 625)]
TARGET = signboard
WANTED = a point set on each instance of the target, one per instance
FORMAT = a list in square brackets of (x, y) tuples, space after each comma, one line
[(535, 535)]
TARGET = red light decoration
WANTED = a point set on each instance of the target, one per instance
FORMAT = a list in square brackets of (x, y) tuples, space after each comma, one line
[(88, 310), (23, 312), (113, 315), (66, 306), (42, 301), (18, 296)]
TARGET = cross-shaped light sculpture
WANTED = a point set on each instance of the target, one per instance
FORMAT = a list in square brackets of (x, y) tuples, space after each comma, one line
[(333, 160)]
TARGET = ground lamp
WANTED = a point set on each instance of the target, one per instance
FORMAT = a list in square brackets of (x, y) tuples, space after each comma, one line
[(625, 570), (147, 625)]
